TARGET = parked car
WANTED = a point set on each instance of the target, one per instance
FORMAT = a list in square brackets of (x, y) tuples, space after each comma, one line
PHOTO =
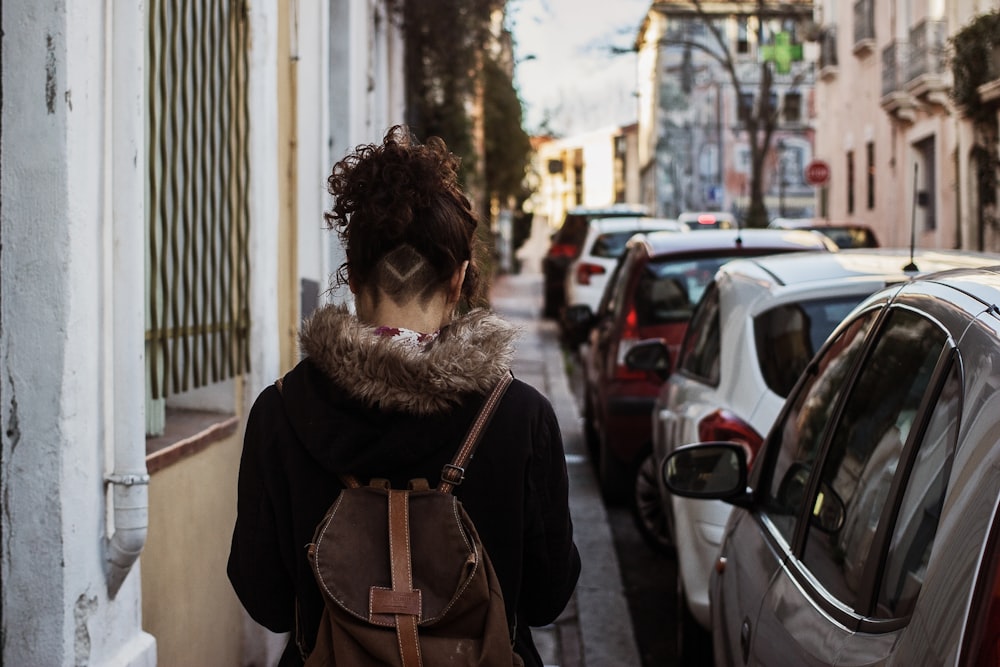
[(603, 245), (565, 247), (655, 286), (845, 234), (701, 220), (751, 336), (867, 531)]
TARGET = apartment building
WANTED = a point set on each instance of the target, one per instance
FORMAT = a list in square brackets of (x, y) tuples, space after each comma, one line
[(901, 153), (714, 123)]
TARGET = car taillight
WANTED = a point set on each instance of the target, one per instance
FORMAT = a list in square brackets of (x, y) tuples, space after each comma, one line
[(723, 425), (562, 250), (584, 271), (629, 337)]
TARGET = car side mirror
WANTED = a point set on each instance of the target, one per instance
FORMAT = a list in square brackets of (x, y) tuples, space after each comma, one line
[(712, 470), (578, 320), (651, 356)]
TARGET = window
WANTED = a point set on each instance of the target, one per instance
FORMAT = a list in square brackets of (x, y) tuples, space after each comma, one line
[(870, 152), (917, 519), (788, 336), (197, 307), (793, 107), (742, 41), (745, 106), (668, 290), (802, 426), (850, 182), (699, 355), (864, 450)]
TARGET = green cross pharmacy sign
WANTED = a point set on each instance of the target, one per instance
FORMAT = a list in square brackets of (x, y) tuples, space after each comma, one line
[(782, 52)]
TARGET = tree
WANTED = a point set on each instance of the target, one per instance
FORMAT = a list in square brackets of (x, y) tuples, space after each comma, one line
[(761, 120), (973, 47)]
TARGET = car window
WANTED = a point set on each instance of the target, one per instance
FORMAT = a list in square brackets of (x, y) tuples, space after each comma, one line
[(800, 431), (865, 447), (789, 335), (699, 355), (916, 521), (611, 244), (668, 289), (573, 229), (614, 294)]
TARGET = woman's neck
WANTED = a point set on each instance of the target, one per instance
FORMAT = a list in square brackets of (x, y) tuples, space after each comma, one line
[(415, 315)]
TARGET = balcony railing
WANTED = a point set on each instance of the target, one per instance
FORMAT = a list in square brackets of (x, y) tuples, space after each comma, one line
[(864, 25), (828, 48), (927, 49), (895, 100), (894, 59)]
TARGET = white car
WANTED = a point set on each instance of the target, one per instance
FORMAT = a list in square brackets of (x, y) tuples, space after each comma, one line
[(699, 220), (605, 242), (753, 333)]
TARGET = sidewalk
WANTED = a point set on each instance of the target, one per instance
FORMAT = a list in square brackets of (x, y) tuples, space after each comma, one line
[(595, 630)]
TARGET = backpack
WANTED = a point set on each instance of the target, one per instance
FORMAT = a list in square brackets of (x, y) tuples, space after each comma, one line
[(405, 579)]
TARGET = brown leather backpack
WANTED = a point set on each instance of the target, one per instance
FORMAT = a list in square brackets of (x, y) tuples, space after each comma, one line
[(405, 579)]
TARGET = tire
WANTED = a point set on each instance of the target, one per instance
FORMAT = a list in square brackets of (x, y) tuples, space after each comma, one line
[(590, 437), (692, 639), (614, 476), (653, 516)]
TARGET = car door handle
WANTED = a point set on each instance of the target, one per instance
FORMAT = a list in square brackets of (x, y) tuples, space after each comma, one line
[(745, 639)]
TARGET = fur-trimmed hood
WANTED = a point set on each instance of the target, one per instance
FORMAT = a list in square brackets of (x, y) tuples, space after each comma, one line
[(468, 356)]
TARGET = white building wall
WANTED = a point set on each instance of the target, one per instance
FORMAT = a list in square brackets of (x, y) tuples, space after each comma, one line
[(65, 334), (365, 94)]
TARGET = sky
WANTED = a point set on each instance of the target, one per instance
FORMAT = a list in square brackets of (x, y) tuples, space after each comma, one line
[(565, 72)]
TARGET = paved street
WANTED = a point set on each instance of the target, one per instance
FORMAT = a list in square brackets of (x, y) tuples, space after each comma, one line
[(596, 628)]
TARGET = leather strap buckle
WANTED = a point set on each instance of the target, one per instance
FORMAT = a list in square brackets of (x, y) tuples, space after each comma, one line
[(453, 474)]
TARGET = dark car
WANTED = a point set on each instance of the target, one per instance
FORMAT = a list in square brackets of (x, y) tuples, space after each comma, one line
[(566, 245), (868, 530), (845, 234), (651, 295)]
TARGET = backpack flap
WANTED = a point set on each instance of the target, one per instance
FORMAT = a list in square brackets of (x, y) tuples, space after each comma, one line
[(351, 556)]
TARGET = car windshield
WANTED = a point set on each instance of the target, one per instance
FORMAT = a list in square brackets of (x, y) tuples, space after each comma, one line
[(669, 288), (789, 335), (849, 237), (612, 244)]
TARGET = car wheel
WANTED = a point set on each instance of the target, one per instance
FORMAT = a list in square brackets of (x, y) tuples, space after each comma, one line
[(590, 436), (614, 476), (652, 513), (692, 639)]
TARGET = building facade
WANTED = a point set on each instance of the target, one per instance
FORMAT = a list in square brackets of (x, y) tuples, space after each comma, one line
[(163, 173), (898, 148), (712, 114)]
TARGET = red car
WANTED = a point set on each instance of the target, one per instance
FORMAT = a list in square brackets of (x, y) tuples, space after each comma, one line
[(651, 295)]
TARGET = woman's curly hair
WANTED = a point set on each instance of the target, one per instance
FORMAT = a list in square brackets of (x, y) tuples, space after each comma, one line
[(400, 193)]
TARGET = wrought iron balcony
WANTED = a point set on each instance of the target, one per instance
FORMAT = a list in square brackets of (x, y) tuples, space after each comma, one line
[(864, 27), (926, 66), (895, 99), (828, 52)]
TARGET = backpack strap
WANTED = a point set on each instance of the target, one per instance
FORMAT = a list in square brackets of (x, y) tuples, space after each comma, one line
[(454, 473)]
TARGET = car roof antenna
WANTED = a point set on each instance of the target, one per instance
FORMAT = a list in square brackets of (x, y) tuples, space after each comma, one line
[(912, 267)]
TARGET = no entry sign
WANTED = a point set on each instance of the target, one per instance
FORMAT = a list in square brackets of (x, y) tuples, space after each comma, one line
[(817, 172)]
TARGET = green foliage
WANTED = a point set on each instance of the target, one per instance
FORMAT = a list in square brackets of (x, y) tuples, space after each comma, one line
[(508, 147), (972, 51)]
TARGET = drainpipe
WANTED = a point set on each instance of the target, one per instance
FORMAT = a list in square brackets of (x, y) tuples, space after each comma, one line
[(129, 479)]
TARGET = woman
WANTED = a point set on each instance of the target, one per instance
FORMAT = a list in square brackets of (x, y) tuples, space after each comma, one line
[(390, 392)]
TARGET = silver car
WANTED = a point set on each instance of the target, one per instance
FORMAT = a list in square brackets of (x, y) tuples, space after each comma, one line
[(867, 531)]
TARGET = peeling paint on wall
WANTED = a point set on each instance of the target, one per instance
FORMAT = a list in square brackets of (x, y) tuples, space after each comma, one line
[(85, 608), (50, 74)]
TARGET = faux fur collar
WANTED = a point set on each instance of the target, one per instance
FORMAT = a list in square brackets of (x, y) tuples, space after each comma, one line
[(469, 355)]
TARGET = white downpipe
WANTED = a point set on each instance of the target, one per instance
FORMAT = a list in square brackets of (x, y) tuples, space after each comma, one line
[(130, 481)]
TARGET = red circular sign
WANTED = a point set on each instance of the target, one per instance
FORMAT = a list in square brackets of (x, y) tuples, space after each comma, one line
[(817, 172)]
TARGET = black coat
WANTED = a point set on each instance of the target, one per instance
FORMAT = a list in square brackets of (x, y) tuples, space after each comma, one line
[(366, 405)]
